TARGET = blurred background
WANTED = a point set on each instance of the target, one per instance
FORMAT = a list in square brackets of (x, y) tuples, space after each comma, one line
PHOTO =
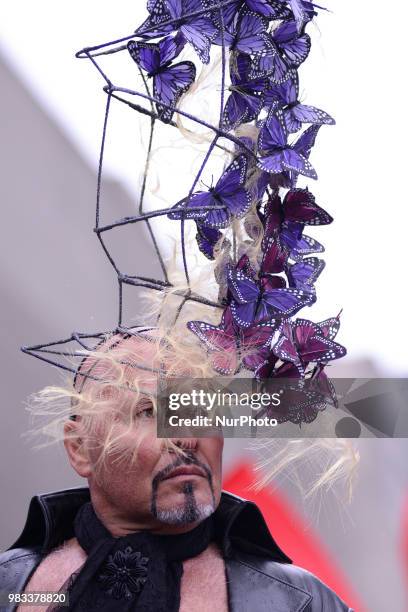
[(55, 278)]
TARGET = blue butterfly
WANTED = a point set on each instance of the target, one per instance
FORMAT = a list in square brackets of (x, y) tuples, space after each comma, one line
[(257, 301), (271, 9), (198, 30), (303, 274), (294, 47), (303, 12), (291, 49), (277, 155), (170, 81), (207, 238), (248, 33), (230, 192), (294, 113), (246, 98)]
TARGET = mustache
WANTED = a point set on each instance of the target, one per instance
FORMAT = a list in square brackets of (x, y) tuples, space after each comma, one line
[(189, 459)]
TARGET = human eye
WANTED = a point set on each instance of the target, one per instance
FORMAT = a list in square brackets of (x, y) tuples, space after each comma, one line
[(144, 409)]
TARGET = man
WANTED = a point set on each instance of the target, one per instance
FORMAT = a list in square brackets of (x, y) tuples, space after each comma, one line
[(153, 531)]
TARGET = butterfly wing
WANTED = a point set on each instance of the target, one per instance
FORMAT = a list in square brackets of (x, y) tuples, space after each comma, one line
[(304, 273), (274, 257), (229, 12), (298, 244), (311, 114), (295, 162), (192, 210), (273, 217), (155, 25), (312, 345), (272, 9), (220, 342), (282, 302), (255, 343), (170, 47), (297, 50), (306, 140), (273, 132), (302, 12), (251, 35), (285, 349), (246, 99), (284, 93), (169, 85), (146, 55), (245, 292), (330, 327), (207, 238), (300, 206), (230, 190), (243, 288), (175, 8), (200, 33)]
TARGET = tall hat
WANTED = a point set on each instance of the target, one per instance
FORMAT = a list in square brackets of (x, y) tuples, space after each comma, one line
[(250, 221)]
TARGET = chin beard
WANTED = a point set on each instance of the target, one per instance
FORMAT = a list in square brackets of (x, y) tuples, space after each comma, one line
[(189, 512)]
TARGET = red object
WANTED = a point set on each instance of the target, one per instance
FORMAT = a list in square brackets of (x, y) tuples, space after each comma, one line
[(289, 530)]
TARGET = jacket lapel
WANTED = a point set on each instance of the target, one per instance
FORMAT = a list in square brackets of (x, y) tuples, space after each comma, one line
[(250, 589)]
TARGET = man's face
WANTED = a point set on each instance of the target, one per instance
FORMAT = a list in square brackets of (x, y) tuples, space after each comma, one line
[(157, 485)]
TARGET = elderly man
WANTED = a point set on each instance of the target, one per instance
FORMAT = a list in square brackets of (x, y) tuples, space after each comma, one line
[(154, 531)]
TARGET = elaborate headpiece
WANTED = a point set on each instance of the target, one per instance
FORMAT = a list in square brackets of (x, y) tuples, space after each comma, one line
[(251, 220)]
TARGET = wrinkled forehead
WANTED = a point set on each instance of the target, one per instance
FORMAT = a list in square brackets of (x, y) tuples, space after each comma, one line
[(129, 361)]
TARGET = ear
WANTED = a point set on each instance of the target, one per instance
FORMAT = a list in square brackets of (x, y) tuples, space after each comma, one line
[(76, 449)]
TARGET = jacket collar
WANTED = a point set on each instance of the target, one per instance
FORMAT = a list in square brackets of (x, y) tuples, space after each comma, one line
[(239, 524)]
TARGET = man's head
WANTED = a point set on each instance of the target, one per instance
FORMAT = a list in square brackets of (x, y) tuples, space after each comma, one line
[(136, 480)]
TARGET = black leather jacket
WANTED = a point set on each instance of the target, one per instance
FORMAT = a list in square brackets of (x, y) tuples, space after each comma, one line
[(260, 577)]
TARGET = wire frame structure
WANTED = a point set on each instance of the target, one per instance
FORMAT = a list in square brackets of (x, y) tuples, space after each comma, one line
[(230, 17), (74, 346)]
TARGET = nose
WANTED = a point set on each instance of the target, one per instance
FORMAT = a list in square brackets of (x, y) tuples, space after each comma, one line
[(186, 444)]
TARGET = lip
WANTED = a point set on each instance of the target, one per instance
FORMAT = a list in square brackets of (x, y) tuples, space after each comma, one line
[(185, 470)]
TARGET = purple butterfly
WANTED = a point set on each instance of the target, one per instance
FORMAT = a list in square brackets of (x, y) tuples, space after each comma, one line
[(198, 29), (271, 9), (303, 12), (229, 13), (294, 113), (255, 301), (330, 327), (298, 207), (302, 399), (246, 99), (249, 35), (157, 22), (303, 342), (289, 50), (324, 385), (276, 154), (303, 274), (296, 243), (207, 238), (229, 345), (294, 47), (288, 179), (230, 192), (170, 81), (283, 228)]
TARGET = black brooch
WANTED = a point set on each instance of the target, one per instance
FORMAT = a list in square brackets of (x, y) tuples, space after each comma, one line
[(124, 574)]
